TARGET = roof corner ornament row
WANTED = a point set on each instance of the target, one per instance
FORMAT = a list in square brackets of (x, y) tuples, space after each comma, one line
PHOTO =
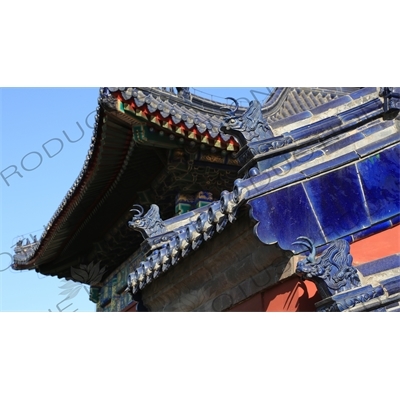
[(165, 247), (252, 132)]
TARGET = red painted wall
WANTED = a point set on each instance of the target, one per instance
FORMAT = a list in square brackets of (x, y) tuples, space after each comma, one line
[(291, 295), (297, 295), (377, 246)]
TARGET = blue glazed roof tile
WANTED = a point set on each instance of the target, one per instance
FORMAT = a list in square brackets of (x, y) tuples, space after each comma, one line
[(381, 265), (362, 92), (341, 210), (378, 144), (330, 164), (392, 285), (316, 128), (276, 221), (298, 100), (290, 120), (377, 127), (380, 177), (331, 104)]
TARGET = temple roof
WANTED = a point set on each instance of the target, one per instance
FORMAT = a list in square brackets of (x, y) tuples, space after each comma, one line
[(138, 132)]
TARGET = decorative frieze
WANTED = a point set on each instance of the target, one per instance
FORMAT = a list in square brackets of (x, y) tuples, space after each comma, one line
[(187, 202)]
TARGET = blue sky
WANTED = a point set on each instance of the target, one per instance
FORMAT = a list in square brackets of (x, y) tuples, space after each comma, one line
[(42, 152), (30, 119)]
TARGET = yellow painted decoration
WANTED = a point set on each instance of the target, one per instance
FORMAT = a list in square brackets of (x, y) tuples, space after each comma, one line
[(192, 135), (180, 130), (166, 124), (205, 140), (155, 120), (230, 147), (218, 144), (130, 110), (140, 113)]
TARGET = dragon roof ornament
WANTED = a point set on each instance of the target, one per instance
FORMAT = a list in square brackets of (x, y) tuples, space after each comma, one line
[(249, 127), (149, 224), (252, 132), (346, 288), (332, 272)]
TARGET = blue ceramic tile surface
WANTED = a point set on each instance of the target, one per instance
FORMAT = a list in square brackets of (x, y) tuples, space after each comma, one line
[(311, 155), (285, 180), (362, 92), (331, 164), (392, 285), (331, 104), (372, 230), (270, 162), (339, 144), (316, 128), (290, 120), (383, 264), (283, 216), (357, 292), (379, 144), (361, 111), (380, 177), (377, 127), (338, 202)]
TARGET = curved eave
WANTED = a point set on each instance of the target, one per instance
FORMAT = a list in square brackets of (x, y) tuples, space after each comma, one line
[(104, 165), (73, 196)]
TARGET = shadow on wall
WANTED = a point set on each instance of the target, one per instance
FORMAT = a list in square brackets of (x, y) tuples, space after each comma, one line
[(291, 295)]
